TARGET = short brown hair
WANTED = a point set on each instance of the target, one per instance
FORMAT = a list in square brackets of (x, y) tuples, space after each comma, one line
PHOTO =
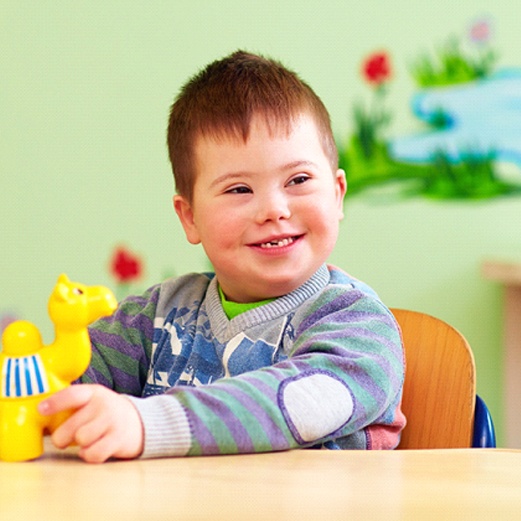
[(221, 100)]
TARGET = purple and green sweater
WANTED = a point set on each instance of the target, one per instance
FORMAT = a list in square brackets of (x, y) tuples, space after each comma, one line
[(320, 366)]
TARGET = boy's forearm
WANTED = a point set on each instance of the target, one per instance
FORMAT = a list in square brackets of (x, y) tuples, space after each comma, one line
[(315, 396)]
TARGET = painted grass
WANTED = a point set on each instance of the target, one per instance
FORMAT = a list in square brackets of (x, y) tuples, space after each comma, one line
[(474, 177)]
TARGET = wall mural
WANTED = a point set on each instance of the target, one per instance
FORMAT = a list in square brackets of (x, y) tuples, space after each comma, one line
[(126, 268), (471, 117)]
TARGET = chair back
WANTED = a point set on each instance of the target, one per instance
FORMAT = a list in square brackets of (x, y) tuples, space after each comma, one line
[(440, 384)]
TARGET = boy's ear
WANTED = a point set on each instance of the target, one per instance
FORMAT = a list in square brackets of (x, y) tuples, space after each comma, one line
[(341, 188), (184, 211)]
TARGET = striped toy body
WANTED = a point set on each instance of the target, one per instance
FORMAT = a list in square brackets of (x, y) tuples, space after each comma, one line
[(23, 376)]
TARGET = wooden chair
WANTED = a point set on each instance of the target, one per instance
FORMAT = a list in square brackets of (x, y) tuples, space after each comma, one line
[(439, 396)]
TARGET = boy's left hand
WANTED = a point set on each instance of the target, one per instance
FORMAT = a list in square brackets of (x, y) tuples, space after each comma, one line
[(104, 424)]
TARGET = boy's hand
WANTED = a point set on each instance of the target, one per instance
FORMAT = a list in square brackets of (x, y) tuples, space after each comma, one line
[(104, 424)]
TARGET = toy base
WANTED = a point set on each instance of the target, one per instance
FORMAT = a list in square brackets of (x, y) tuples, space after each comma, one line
[(25, 454), (22, 429)]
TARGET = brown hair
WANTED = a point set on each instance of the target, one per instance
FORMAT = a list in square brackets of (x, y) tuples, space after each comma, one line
[(221, 100)]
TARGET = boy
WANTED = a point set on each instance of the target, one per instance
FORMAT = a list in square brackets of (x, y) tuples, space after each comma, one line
[(276, 350)]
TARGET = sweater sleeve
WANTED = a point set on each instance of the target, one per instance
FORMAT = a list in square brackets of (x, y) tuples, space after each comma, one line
[(344, 374), (122, 343)]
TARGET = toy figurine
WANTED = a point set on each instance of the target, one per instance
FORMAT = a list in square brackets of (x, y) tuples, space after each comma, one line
[(31, 371)]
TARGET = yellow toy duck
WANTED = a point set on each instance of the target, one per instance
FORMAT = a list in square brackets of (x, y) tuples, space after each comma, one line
[(31, 371)]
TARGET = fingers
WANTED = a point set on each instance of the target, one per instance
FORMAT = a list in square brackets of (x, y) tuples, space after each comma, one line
[(82, 428), (101, 450), (104, 424), (72, 397), (115, 431), (75, 398)]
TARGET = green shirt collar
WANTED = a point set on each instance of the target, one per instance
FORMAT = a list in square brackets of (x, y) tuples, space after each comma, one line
[(232, 309)]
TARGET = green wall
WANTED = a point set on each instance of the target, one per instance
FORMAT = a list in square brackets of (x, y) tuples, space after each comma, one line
[(85, 89)]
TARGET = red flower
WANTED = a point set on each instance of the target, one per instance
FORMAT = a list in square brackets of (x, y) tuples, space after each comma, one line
[(377, 68), (125, 266), (480, 31)]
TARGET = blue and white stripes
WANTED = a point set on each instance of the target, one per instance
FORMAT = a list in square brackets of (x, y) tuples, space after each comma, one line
[(23, 376)]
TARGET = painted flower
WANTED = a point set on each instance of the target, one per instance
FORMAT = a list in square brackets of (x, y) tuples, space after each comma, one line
[(377, 68), (125, 266), (480, 32)]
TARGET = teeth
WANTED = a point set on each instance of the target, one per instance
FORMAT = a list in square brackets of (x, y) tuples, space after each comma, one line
[(278, 244)]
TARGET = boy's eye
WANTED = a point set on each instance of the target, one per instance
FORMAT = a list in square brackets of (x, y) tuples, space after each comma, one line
[(239, 190), (299, 179)]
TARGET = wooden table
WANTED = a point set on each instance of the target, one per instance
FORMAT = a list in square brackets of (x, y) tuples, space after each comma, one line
[(296, 485), (509, 274)]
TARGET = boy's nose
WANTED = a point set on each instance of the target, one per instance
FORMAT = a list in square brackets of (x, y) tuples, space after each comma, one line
[(273, 207)]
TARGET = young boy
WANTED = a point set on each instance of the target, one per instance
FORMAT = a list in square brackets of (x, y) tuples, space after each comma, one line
[(276, 350)]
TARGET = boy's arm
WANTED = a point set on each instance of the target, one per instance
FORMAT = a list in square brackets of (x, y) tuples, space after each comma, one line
[(122, 344), (345, 373)]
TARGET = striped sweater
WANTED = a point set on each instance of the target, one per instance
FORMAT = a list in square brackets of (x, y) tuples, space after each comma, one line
[(321, 366)]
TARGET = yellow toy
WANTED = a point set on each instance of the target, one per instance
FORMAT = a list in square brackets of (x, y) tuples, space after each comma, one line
[(31, 371)]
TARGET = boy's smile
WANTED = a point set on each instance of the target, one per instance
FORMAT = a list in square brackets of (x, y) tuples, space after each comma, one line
[(279, 243), (266, 210)]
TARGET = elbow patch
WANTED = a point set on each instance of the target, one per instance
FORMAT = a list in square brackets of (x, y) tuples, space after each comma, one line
[(315, 404)]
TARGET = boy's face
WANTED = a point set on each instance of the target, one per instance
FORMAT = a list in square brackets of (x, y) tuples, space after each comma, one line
[(266, 211)]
